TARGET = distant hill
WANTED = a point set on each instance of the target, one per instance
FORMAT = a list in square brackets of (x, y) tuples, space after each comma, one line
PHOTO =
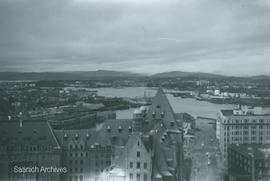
[(108, 74), (260, 77), (76, 75), (180, 74)]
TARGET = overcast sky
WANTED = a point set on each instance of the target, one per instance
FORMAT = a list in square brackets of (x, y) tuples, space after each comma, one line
[(218, 36)]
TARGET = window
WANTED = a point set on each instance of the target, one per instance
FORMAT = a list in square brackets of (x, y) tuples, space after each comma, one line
[(145, 165), (138, 143), (138, 154), (131, 176), (138, 177), (145, 177), (131, 165), (138, 165)]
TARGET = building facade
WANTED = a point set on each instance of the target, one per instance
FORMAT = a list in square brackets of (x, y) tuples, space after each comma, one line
[(29, 150), (148, 147), (242, 126), (249, 162)]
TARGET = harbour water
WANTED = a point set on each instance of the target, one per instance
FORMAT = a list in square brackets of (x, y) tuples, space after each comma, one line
[(179, 105)]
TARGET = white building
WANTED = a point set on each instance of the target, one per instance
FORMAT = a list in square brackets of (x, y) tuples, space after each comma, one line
[(244, 125)]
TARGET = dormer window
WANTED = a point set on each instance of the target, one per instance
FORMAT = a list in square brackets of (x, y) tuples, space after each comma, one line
[(153, 114), (172, 123), (108, 129), (120, 129), (158, 106), (129, 129), (162, 138), (65, 136), (162, 114), (165, 134)]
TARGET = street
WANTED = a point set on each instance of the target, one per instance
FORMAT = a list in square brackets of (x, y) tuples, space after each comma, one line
[(206, 162)]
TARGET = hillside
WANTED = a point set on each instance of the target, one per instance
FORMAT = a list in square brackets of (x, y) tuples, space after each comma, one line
[(180, 74), (84, 75)]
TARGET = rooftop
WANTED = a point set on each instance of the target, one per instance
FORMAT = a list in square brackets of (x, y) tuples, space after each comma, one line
[(14, 132), (257, 150)]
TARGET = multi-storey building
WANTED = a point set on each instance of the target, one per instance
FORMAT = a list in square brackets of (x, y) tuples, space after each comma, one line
[(147, 147), (88, 153), (242, 126), (135, 161), (249, 162), (25, 148)]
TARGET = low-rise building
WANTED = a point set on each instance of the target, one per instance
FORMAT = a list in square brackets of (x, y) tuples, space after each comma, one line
[(249, 162)]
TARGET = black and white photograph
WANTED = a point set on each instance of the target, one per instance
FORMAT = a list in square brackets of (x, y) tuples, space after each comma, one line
[(134, 90)]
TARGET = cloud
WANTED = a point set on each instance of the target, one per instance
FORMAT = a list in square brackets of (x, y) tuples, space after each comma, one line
[(135, 35)]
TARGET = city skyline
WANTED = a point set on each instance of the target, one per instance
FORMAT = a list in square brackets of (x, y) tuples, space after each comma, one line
[(228, 38)]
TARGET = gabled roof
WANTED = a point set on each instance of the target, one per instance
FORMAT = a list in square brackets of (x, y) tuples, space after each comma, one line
[(132, 140), (30, 132), (161, 104), (160, 109)]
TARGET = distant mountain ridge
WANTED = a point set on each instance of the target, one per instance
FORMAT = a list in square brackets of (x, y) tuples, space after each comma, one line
[(180, 74), (109, 74), (76, 75)]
